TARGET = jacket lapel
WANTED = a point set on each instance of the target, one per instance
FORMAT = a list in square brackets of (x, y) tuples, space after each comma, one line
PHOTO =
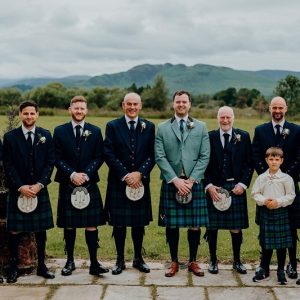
[(124, 131), (218, 146), (175, 128)]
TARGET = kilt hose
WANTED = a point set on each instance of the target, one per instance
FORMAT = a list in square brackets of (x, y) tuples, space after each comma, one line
[(175, 215), (71, 217), (236, 217), (122, 212), (40, 219), (274, 231)]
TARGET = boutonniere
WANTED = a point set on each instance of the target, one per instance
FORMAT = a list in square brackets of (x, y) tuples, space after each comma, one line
[(285, 132), (237, 138), (190, 124), (42, 139), (86, 134), (143, 125)]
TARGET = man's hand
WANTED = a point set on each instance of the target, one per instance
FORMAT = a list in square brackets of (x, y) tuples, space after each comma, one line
[(134, 179), (238, 190), (183, 186), (27, 191), (79, 179), (213, 192), (35, 188)]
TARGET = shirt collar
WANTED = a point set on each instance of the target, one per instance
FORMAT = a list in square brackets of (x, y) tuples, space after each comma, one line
[(281, 123), (25, 130), (229, 132), (74, 124), (278, 174), (128, 119), (179, 118)]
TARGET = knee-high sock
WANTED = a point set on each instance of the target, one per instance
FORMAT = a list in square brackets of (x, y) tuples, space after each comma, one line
[(40, 238), (119, 234), (194, 241), (236, 240), (91, 238), (70, 237), (13, 244), (137, 235), (172, 235), (266, 256), (293, 250), (212, 237), (281, 255)]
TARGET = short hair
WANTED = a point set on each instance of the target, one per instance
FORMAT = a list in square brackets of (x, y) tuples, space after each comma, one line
[(131, 94), (27, 103), (78, 99), (274, 151), (226, 108), (182, 92)]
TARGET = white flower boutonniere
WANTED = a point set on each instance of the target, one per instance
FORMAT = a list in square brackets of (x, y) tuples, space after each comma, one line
[(190, 124), (42, 139), (143, 125), (237, 138), (86, 134), (285, 132)]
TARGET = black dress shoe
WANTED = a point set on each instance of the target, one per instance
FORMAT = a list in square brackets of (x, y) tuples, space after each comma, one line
[(68, 268), (118, 267), (139, 264), (281, 277), (213, 267), (44, 272), (12, 274), (291, 272), (239, 267), (98, 269), (298, 282), (1, 280)]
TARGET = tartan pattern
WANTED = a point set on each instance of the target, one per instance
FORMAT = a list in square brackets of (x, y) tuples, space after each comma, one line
[(124, 212), (71, 217), (174, 215), (275, 232), (236, 217), (294, 209), (39, 220)]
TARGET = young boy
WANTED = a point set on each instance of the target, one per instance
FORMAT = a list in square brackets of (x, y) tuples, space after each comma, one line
[(274, 191)]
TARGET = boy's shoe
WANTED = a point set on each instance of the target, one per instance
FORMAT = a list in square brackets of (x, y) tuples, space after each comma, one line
[(281, 277), (261, 275), (291, 272)]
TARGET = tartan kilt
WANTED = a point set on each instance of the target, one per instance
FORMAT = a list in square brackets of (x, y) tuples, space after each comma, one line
[(275, 231), (40, 219), (175, 215), (294, 210), (236, 217), (71, 217), (121, 211)]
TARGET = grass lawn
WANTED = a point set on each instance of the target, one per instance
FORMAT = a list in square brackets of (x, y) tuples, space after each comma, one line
[(154, 243)]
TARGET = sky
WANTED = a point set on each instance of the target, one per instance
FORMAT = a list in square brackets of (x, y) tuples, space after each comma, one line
[(57, 38)]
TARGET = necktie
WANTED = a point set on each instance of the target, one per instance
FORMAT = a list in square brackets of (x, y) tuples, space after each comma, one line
[(226, 140), (78, 134), (131, 127), (181, 127), (29, 139), (277, 134)]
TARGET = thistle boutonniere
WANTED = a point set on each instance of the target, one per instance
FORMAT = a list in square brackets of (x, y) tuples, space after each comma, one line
[(86, 134), (190, 124), (237, 138), (143, 126), (41, 139), (285, 132)]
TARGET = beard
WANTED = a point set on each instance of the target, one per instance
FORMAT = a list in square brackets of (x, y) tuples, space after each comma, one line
[(277, 117)]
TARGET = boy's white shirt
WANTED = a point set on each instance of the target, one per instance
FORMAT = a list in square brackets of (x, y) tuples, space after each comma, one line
[(279, 186)]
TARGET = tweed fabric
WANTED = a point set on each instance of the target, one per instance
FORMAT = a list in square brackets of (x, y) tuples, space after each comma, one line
[(236, 217), (275, 232), (71, 217), (123, 212), (175, 215), (39, 220)]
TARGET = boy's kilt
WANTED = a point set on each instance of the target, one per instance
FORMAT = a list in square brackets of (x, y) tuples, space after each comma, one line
[(71, 217), (236, 217), (275, 232), (121, 211), (39, 220), (174, 215)]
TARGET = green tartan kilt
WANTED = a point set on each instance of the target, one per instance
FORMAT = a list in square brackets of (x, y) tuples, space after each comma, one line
[(40, 219), (175, 215), (71, 217), (121, 211), (275, 231), (236, 217)]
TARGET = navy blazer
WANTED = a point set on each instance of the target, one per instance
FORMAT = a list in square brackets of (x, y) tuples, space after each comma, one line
[(68, 160), (241, 158), (117, 149), (264, 138), (16, 158)]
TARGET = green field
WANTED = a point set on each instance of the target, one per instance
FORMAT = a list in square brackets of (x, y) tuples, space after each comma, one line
[(154, 243)]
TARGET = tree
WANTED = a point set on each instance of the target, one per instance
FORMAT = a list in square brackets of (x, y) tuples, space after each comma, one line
[(10, 96), (229, 96), (260, 105)]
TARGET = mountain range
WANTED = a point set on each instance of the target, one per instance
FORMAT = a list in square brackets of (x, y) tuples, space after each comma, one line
[(198, 79)]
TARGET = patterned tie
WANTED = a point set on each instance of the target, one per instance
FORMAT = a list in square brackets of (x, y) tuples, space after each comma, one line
[(226, 139), (78, 134)]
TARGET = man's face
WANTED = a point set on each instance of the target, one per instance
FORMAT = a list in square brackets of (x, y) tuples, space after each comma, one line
[(132, 106), (78, 111), (225, 119), (274, 163), (181, 105), (28, 116), (278, 109)]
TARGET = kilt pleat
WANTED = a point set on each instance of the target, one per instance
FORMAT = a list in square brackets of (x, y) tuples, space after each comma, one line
[(39, 220), (175, 215), (71, 217), (275, 232)]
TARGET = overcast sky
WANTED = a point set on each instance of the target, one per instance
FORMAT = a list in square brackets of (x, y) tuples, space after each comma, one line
[(67, 37)]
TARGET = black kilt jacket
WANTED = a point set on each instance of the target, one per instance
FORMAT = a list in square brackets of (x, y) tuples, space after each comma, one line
[(264, 138), (87, 158), (18, 173), (122, 159), (236, 217)]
